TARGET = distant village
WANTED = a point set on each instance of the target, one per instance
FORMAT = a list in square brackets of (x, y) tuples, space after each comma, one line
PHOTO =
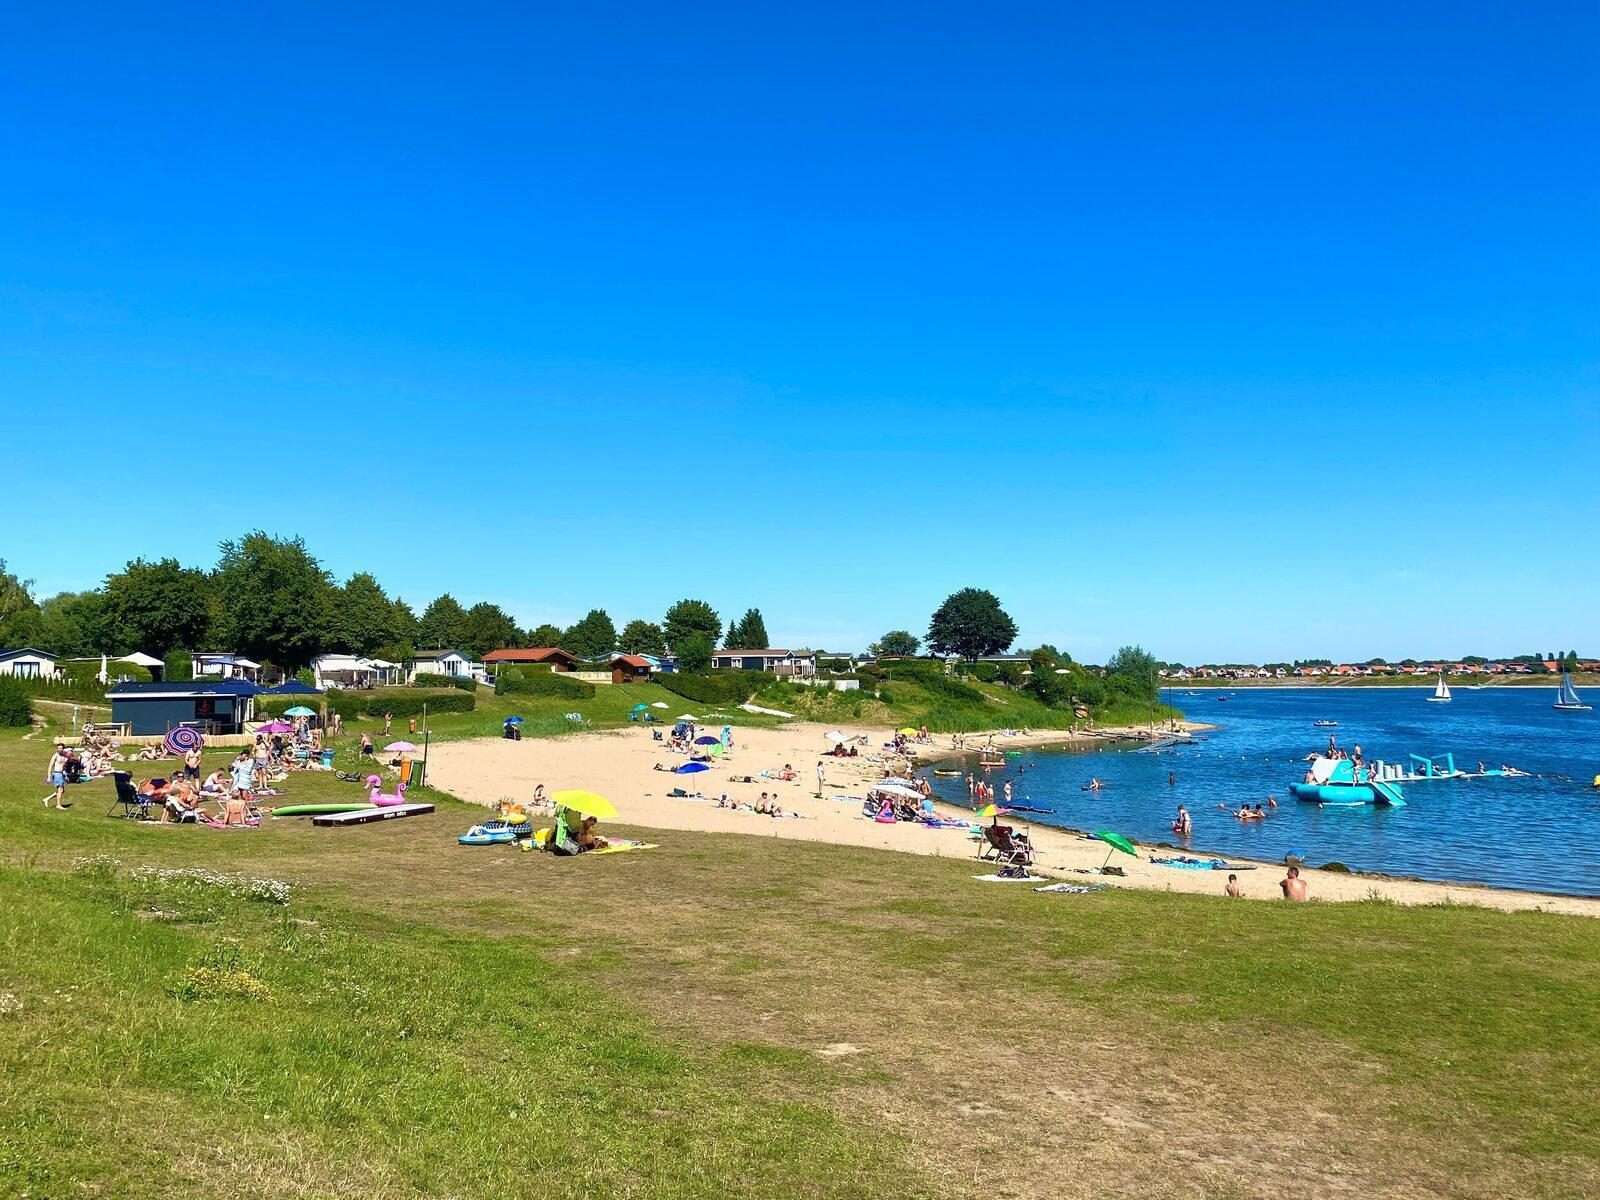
[(1421, 669)]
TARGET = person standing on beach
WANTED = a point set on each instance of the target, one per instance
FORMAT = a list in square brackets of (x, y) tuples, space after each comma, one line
[(972, 788), (1008, 793), (1294, 888), (822, 778), (388, 719)]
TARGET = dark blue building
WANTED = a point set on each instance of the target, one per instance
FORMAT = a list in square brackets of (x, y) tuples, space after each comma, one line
[(211, 706)]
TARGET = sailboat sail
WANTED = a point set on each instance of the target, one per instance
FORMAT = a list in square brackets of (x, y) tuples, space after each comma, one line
[(1441, 693), (1568, 696)]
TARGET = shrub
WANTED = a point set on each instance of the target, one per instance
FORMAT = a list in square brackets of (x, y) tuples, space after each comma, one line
[(465, 682), (985, 672), (719, 687), (180, 667), (514, 681), (306, 676), (15, 707)]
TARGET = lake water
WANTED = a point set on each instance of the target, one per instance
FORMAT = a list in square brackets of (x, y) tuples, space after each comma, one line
[(1538, 834)]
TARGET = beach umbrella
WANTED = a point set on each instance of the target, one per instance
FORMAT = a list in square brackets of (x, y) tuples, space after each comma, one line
[(687, 717), (184, 739), (659, 704), (897, 789), (909, 732), (992, 810), (513, 720), (299, 710), (689, 768), (587, 803), (1117, 842), (639, 708), (400, 748), (707, 740), (275, 727), (718, 748)]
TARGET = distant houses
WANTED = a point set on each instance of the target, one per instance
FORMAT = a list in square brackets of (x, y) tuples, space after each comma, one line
[(353, 671), (215, 664), (553, 657)]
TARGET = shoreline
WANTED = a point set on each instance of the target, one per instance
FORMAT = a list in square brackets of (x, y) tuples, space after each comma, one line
[(621, 765)]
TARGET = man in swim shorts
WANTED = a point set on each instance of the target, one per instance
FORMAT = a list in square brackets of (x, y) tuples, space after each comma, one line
[(1233, 889)]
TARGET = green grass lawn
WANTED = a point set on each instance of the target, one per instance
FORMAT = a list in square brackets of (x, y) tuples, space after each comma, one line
[(738, 1016)]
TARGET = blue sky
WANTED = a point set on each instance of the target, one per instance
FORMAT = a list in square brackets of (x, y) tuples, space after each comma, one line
[(1241, 333)]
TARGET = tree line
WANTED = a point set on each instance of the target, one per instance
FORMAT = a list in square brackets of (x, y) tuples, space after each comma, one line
[(271, 599)]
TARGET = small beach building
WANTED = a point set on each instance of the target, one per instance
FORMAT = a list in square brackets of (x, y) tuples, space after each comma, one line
[(630, 668), (779, 662), (212, 706), (215, 664), (445, 662), (553, 657), (28, 663), (353, 671)]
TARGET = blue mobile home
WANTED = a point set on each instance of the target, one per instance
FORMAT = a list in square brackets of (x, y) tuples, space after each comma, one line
[(212, 706)]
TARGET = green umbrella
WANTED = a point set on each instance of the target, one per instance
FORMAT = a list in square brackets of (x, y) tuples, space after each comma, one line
[(299, 710), (1117, 842), (639, 708)]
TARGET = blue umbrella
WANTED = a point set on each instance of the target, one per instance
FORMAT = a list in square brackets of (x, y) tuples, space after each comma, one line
[(707, 741), (639, 708), (690, 768), (513, 720)]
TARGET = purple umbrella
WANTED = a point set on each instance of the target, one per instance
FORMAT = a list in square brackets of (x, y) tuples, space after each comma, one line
[(274, 727)]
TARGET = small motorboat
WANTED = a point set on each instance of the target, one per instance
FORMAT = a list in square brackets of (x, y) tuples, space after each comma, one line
[(1325, 724)]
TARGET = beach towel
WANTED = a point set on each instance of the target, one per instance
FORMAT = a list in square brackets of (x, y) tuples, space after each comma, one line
[(1009, 878), (624, 845), (1076, 888)]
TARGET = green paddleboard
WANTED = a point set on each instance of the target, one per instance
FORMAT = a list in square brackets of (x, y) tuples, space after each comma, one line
[(317, 810)]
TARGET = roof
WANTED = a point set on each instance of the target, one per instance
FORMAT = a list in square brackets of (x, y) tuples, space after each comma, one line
[(633, 660), (183, 690), (291, 687), (529, 654), (8, 654), (436, 655)]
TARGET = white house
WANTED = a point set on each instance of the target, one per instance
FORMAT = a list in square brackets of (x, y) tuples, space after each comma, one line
[(351, 670), (28, 663), (213, 664), (781, 662), (445, 662)]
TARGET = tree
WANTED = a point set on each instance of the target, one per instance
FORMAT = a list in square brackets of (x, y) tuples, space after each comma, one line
[(546, 635), (900, 642), (443, 624), (1009, 673), (971, 623), (364, 618), (690, 618), (73, 625), (275, 599), (486, 627), (1049, 688), (17, 609), (642, 637), (1044, 661), (749, 632), (694, 653), (1133, 672), (592, 637), (159, 606)]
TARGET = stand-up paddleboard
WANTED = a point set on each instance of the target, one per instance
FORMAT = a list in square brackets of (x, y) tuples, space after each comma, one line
[(318, 810), (371, 812)]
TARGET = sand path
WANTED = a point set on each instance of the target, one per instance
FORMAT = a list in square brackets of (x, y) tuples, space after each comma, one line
[(620, 766)]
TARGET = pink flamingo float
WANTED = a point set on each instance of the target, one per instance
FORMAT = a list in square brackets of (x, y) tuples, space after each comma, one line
[(385, 799)]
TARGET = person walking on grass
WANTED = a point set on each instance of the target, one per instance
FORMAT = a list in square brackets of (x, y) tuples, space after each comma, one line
[(388, 719), (56, 776)]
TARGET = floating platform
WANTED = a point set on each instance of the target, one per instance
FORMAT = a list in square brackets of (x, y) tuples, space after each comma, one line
[(366, 816)]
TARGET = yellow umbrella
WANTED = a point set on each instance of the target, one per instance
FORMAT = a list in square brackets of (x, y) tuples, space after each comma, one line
[(586, 803), (908, 731), (988, 810)]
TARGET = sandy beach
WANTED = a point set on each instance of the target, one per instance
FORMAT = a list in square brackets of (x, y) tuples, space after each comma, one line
[(621, 766)]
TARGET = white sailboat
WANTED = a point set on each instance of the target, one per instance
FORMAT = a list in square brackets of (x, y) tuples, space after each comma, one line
[(1567, 700), (1441, 694)]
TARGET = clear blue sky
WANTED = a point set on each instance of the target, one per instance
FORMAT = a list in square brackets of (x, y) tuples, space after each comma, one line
[(1242, 332)]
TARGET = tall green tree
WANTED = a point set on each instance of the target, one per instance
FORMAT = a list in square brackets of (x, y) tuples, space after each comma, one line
[(971, 623), (897, 642), (158, 606), (442, 624), (642, 637), (546, 635), (592, 637), (73, 624), (364, 617), (749, 632), (694, 653), (488, 627), (275, 599), (690, 618), (18, 610), (1133, 671)]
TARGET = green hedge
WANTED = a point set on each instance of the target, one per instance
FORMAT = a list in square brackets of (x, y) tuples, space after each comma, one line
[(350, 704), (718, 687), (465, 682), (517, 681), (180, 667), (15, 707)]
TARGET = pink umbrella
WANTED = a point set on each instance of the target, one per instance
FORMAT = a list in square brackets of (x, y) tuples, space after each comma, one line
[(274, 727)]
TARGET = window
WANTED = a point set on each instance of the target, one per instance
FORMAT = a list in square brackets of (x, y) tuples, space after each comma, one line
[(25, 670)]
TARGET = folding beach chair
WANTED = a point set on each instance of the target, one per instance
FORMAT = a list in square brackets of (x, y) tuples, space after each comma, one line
[(128, 798), (1001, 847)]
